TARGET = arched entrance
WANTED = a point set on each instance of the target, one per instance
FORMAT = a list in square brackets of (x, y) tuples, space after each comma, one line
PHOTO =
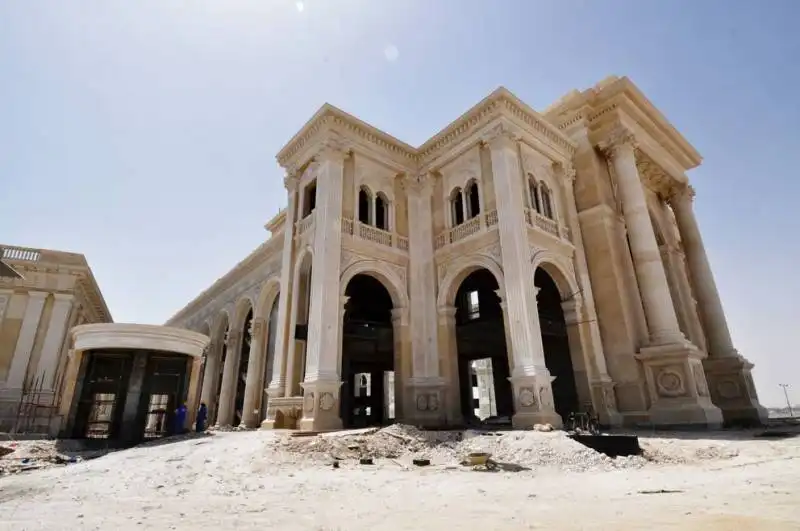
[(241, 373), (483, 368), (555, 341), (367, 369)]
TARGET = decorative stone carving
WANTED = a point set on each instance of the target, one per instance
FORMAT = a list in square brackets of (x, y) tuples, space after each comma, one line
[(527, 397), (326, 401), (618, 137), (422, 402), (494, 252), (700, 380), (308, 402), (501, 135), (427, 402), (416, 183), (670, 382)]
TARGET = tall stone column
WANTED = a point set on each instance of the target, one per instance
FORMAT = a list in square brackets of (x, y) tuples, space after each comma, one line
[(730, 379), (210, 375), (402, 349), (426, 384), (53, 339), (673, 368), (530, 379), (225, 407), (662, 323), (322, 384), (253, 388), (585, 314), (283, 335), (27, 335)]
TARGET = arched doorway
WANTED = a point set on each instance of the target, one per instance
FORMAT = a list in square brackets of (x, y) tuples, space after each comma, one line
[(555, 341), (241, 373), (272, 330), (367, 354), (483, 368)]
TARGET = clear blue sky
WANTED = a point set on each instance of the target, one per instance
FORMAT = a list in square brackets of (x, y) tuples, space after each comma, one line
[(143, 133)]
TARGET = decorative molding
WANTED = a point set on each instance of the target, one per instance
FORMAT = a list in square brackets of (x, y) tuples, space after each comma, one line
[(618, 138), (137, 336)]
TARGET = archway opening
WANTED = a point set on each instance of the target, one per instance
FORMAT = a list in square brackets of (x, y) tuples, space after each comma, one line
[(269, 363), (367, 354), (483, 368), (364, 205), (241, 374), (555, 341)]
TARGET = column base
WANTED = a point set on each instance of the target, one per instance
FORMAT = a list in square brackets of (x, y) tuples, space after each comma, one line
[(320, 406), (606, 403), (733, 391), (533, 401), (427, 407), (283, 412), (677, 387)]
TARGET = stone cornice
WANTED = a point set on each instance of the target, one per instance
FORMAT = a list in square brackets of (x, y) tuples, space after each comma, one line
[(260, 255), (500, 102), (48, 261), (138, 336), (276, 224)]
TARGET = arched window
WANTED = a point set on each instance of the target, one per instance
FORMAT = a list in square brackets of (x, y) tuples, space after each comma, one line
[(473, 201), (547, 201), (364, 205), (381, 212), (457, 207), (534, 191)]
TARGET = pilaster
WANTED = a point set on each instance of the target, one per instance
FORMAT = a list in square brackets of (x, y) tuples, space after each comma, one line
[(422, 279), (210, 374), (530, 379), (54, 338), (584, 314), (449, 348), (322, 383), (27, 335)]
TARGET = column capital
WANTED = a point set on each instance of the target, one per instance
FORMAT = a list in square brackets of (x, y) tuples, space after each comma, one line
[(332, 149), (566, 170), (418, 183), (400, 316), (619, 140), (447, 314), (290, 180), (257, 327), (681, 196), (501, 136)]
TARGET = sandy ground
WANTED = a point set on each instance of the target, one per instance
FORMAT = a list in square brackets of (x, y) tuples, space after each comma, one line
[(263, 480)]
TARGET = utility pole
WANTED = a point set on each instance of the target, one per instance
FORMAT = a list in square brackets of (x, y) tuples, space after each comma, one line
[(788, 402)]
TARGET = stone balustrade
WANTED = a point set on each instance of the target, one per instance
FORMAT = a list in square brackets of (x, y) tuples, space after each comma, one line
[(362, 231), (20, 253)]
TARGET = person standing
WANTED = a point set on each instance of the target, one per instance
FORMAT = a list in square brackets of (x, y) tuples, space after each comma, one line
[(202, 415)]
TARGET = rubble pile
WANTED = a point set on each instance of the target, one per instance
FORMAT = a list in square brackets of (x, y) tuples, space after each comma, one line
[(23, 456), (529, 449)]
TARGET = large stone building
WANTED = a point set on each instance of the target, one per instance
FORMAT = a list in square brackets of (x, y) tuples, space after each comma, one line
[(561, 246), (53, 292)]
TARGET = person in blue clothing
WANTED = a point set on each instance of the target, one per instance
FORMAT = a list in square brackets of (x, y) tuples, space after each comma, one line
[(180, 419), (202, 415)]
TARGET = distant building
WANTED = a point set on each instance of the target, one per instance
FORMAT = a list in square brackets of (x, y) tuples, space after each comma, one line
[(51, 292)]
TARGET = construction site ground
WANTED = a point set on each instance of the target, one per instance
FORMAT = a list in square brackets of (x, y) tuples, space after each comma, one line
[(270, 480)]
